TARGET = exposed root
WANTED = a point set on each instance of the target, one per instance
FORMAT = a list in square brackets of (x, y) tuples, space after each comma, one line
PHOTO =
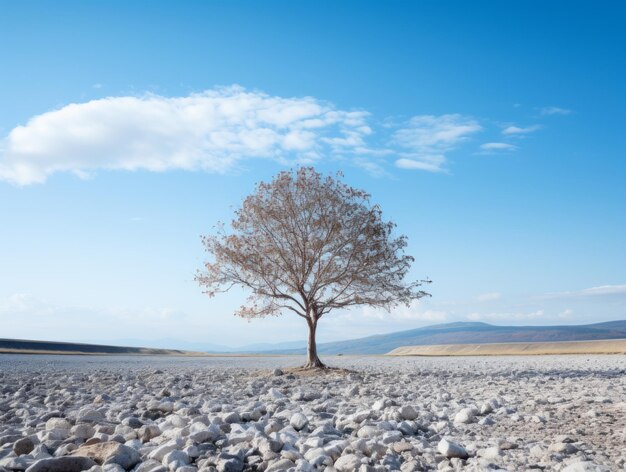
[(305, 371)]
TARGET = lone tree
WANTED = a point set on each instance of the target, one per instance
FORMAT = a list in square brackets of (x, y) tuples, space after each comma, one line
[(309, 244)]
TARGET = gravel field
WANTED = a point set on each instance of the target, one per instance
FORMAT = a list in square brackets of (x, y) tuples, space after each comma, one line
[(157, 414)]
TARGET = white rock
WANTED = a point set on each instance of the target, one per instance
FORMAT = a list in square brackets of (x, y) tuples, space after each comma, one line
[(62, 464), (407, 412), (89, 415), (280, 465), (58, 423), (113, 468), (451, 449), (175, 459), (166, 406), (82, 431), (378, 405), (177, 420), (313, 453), (160, 452), (347, 463), (274, 393), (486, 421), (369, 432), (298, 421), (490, 453), (361, 416), (585, 466), (562, 448), (466, 415), (232, 417)]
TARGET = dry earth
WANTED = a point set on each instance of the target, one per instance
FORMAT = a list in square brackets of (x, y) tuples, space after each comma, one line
[(66, 413), (611, 346)]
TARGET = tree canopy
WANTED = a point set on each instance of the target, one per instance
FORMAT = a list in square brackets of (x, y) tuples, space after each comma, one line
[(308, 244)]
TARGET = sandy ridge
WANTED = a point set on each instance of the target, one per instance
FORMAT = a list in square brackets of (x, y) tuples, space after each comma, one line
[(615, 346)]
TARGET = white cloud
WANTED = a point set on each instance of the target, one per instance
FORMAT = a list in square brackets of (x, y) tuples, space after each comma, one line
[(416, 312), (555, 111), (492, 148), (25, 304), (497, 147), (566, 313), (430, 163), (211, 131), (604, 290), (21, 303), (517, 130), (428, 138), (520, 315), (375, 169), (593, 292), (43, 319), (489, 297), (219, 129), (497, 316)]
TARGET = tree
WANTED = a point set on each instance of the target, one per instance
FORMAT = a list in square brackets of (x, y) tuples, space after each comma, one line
[(309, 244)]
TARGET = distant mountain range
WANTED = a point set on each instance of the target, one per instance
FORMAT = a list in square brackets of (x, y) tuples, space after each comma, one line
[(469, 333), (450, 333), (172, 343)]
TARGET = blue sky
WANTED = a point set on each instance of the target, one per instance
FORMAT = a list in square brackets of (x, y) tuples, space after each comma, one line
[(491, 132)]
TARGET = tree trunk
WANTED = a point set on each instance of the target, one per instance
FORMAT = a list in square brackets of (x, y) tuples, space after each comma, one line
[(313, 361)]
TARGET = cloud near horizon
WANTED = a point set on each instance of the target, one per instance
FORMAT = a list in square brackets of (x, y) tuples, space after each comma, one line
[(604, 291), (488, 297), (69, 322), (518, 316), (418, 311), (216, 131)]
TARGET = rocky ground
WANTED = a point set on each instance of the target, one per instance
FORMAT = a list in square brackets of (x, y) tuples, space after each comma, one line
[(562, 413)]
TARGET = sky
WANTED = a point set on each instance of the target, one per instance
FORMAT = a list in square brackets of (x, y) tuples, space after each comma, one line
[(491, 132)]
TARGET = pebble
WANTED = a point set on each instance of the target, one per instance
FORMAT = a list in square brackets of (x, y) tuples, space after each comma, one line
[(298, 421), (110, 452), (451, 449), (23, 446), (347, 463), (466, 415), (62, 464), (407, 412), (586, 466)]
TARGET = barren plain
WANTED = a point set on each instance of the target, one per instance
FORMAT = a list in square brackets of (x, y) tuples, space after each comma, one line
[(145, 413)]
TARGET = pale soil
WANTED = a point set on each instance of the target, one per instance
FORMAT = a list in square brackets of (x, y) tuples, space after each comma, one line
[(616, 346)]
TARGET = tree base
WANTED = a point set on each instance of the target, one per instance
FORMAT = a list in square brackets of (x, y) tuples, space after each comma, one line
[(314, 364), (305, 372)]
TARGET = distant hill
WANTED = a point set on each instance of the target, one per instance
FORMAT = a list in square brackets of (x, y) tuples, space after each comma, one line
[(52, 347), (208, 347), (470, 333)]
